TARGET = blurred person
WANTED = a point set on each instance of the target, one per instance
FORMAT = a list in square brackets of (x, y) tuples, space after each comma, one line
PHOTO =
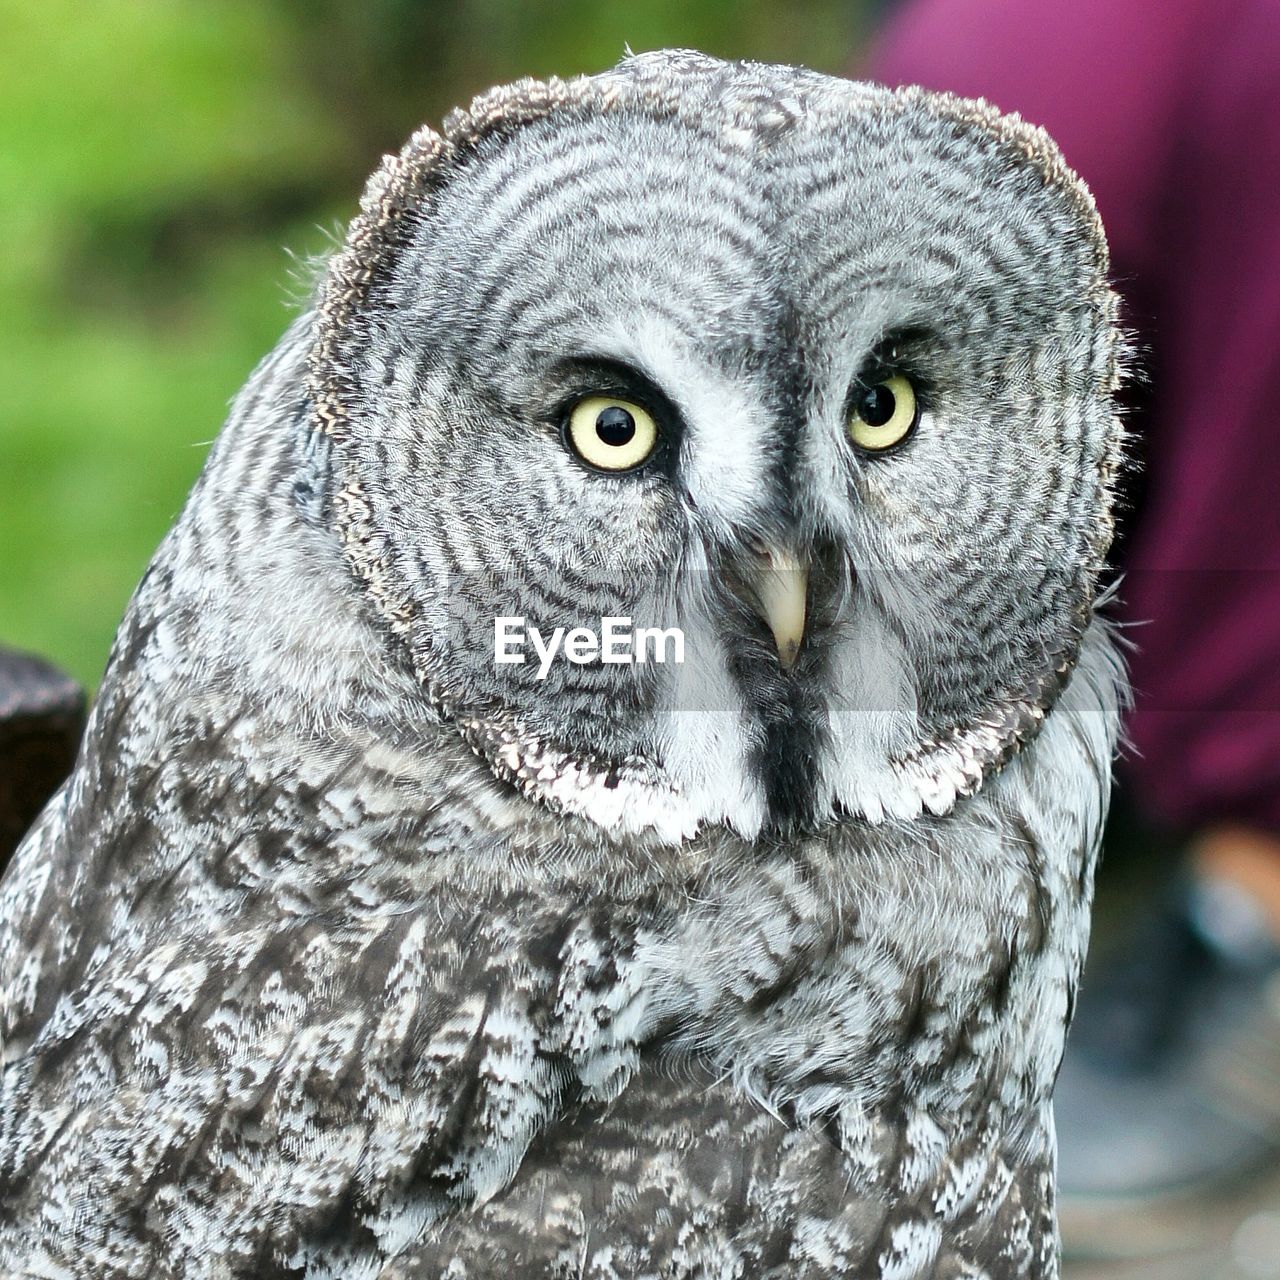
[(1171, 113)]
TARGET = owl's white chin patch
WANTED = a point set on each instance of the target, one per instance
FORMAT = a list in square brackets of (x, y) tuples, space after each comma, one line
[(630, 808)]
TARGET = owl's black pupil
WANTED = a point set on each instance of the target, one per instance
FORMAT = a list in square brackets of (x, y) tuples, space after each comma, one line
[(877, 405), (615, 426)]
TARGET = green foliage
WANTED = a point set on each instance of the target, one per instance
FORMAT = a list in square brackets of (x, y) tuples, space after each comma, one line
[(157, 157)]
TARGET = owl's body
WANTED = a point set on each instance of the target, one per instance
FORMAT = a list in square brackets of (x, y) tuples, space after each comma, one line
[(345, 953)]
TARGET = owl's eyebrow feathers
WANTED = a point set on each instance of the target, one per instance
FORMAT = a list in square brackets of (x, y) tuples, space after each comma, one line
[(592, 368)]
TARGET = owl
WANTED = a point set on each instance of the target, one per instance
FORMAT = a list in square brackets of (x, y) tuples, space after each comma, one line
[(603, 777)]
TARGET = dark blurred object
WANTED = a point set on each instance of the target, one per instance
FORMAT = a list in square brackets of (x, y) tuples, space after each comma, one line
[(42, 715)]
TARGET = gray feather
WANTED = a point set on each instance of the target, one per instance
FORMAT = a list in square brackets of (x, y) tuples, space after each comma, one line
[(346, 953)]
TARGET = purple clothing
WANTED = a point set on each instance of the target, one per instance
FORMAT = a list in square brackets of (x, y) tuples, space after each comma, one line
[(1171, 114)]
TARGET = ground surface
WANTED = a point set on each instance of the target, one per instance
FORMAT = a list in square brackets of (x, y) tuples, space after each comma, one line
[(1236, 1238)]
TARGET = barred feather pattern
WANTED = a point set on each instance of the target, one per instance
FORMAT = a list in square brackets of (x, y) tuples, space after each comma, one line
[(298, 982)]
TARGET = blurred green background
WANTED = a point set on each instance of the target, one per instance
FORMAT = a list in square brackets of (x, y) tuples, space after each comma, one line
[(167, 170)]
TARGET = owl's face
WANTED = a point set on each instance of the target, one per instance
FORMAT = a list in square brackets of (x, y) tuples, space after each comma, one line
[(817, 373)]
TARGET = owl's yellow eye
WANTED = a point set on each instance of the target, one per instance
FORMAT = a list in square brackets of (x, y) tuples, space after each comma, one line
[(611, 434), (883, 414)]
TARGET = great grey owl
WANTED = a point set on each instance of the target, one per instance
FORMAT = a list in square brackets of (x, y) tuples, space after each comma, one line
[(349, 950)]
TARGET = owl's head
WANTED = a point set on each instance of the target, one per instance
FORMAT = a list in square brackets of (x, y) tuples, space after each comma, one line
[(818, 373)]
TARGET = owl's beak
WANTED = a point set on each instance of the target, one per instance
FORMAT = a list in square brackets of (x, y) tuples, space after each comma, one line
[(779, 591)]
